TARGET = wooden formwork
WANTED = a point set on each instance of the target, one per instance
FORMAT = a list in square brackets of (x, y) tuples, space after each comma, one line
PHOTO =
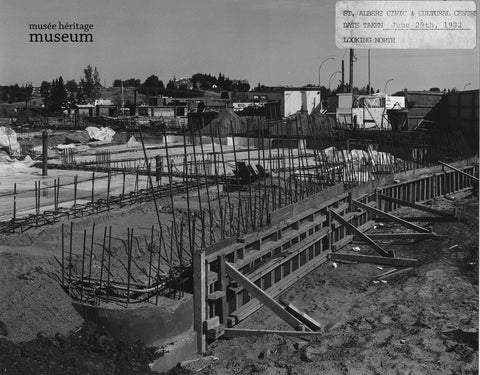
[(299, 239)]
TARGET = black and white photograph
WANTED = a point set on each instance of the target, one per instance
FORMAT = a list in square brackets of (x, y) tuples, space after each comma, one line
[(230, 187)]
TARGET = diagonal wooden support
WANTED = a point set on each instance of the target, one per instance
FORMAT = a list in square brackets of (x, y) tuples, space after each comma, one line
[(395, 219), (397, 262), (414, 205), (458, 170), (263, 297), (404, 236), (351, 228), (425, 219), (239, 332)]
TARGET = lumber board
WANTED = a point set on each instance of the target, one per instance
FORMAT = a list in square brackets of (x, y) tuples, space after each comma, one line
[(286, 254), (307, 320), (395, 219), (394, 273), (423, 219), (269, 247), (458, 170), (403, 236), (414, 205), (263, 297), (364, 237), (242, 332), (398, 262), (276, 289), (199, 298)]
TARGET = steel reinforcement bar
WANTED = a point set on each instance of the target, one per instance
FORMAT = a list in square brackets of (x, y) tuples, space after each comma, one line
[(94, 207)]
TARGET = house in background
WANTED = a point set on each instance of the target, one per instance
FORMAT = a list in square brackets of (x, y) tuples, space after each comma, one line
[(281, 101)]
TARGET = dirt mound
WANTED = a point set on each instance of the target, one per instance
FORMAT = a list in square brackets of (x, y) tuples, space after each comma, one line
[(225, 123), (85, 351)]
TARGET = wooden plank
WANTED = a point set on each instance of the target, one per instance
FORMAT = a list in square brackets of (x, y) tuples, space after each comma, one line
[(342, 242), (393, 273), (395, 219), (423, 219), (286, 254), (403, 236), (398, 262), (414, 205), (242, 332), (276, 289), (307, 320), (458, 170), (199, 298), (222, 275), (263, 297), (361, 235)]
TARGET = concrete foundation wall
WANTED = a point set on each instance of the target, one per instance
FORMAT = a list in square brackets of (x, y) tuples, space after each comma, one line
[(153, 325)]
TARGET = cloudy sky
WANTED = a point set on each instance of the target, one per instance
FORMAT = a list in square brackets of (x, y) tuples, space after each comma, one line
[(275, 42)]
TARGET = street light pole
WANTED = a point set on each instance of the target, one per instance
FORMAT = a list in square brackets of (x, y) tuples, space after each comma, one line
[(386, 83), (319, 82)]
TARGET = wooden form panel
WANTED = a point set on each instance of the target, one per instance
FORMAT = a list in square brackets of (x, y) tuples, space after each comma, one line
[(281, 254), (426, 188)]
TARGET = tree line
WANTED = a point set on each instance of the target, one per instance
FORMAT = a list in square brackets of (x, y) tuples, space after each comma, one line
[(198, 81)]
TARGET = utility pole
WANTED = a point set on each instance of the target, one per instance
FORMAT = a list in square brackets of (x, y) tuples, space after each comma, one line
[(369, 89), (343, 75), (351, 71)]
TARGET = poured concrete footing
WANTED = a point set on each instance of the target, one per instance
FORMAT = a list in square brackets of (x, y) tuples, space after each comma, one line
[(154, 325)]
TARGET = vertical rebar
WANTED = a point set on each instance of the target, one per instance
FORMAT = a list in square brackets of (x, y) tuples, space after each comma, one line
[(70, 254), (93, 187), (152, 248), (123, 183), (63, 257), (14, 205), (91, 253), (109, 177), (83, 263), (75, 183), (103, 257), (109, 258)]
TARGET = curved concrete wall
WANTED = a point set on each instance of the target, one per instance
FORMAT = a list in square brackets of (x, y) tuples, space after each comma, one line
[(153, 325)]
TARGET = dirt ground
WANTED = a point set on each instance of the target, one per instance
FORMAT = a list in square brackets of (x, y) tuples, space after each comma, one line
[(422, 322)]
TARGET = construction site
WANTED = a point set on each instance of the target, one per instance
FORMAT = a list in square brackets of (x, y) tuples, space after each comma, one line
[(241, 245)]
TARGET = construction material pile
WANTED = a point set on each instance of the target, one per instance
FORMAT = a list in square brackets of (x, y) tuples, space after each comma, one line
[(8, 140)]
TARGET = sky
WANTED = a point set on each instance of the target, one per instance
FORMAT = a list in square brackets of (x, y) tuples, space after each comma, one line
[(272, 42)]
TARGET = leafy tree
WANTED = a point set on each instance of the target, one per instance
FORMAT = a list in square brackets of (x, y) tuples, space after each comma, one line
[(153, 82), (87, 83), (90, 84), (45, 88), (58, 95), (171, 84), (151, 86), (71, 86), (117, 83), (131, 82)]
